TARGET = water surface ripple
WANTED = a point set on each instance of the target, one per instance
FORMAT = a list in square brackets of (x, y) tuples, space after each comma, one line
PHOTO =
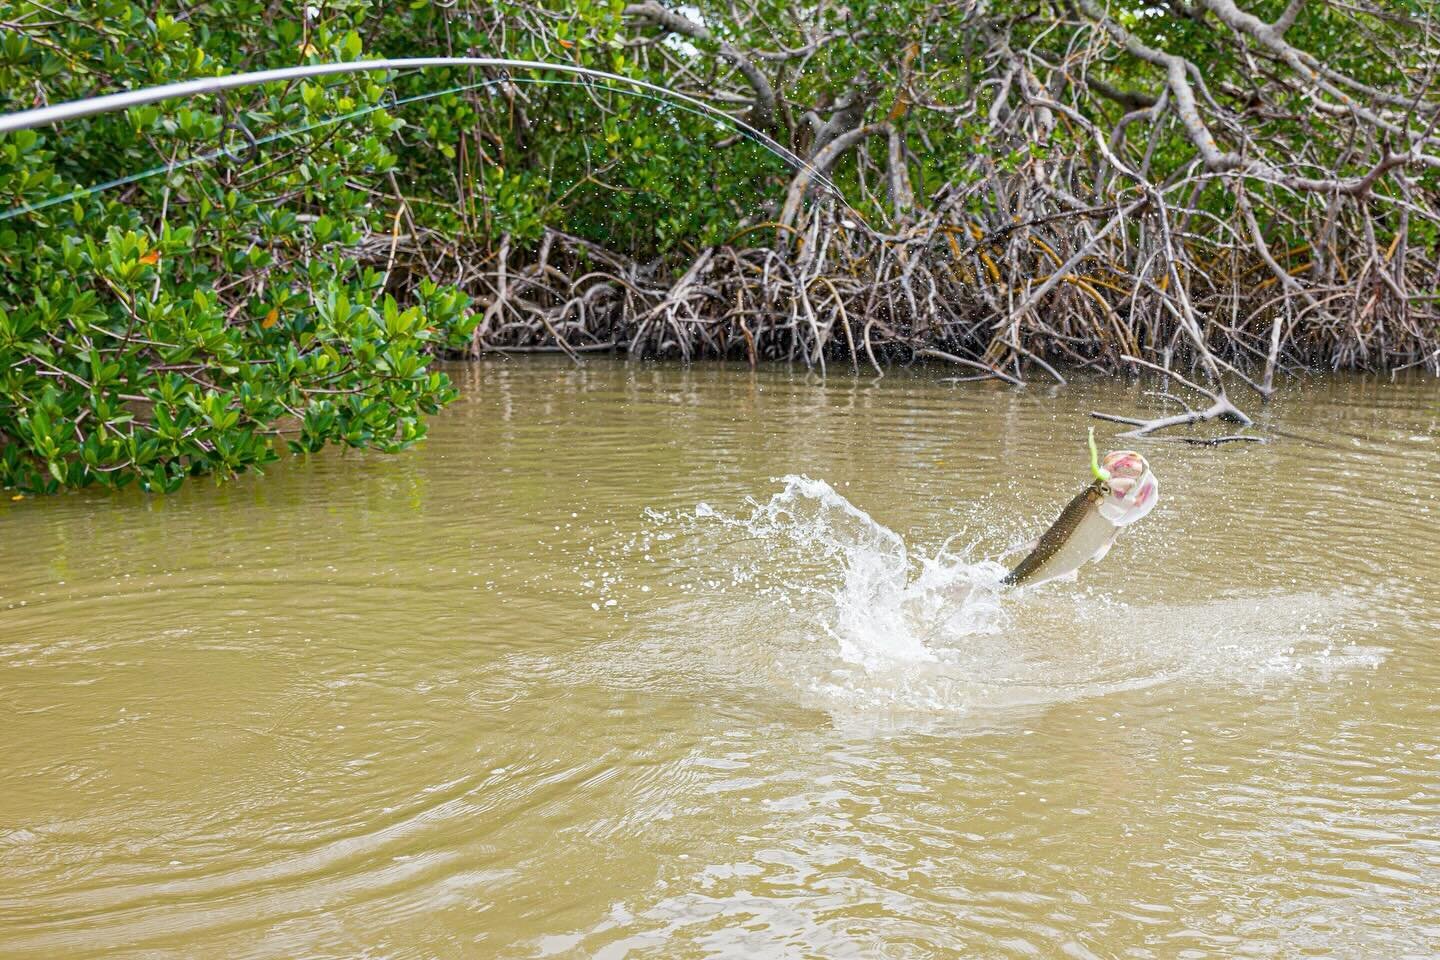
[(654, 662)]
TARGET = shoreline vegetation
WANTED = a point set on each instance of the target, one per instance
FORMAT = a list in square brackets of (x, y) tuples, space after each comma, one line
[(1211, 192)]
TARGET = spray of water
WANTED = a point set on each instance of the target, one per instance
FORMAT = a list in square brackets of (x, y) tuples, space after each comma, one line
[(808, 591), (887, 606)]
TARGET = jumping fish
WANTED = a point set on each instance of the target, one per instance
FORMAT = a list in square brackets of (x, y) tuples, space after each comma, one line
[(1123, 492)]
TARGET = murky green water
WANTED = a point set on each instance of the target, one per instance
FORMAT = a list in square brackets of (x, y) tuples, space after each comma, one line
[(518, 693)]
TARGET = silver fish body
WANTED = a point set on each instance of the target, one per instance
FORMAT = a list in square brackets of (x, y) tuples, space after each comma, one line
[(1087, 527), (1079, 535)]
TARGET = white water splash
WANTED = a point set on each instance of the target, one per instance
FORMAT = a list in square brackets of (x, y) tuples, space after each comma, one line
[(888, 607), (808, 591)]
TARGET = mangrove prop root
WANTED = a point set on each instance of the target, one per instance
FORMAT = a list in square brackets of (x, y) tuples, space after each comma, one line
[(828, 289)]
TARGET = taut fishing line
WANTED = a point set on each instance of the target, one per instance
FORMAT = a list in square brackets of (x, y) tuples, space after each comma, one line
[(56, 114), (226, 152)]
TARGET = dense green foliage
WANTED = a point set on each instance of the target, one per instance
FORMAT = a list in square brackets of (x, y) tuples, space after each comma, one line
[(187, 323)]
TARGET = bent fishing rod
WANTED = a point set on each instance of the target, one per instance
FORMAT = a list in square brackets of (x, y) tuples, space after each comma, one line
[(110, 103)]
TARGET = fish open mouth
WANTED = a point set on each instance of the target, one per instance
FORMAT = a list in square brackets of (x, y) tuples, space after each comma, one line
[(1134, 491)]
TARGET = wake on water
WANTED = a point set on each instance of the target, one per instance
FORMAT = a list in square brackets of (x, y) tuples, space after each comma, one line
[(821, 597)]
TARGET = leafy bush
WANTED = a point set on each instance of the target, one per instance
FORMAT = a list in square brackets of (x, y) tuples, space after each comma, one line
[(188, 323)]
